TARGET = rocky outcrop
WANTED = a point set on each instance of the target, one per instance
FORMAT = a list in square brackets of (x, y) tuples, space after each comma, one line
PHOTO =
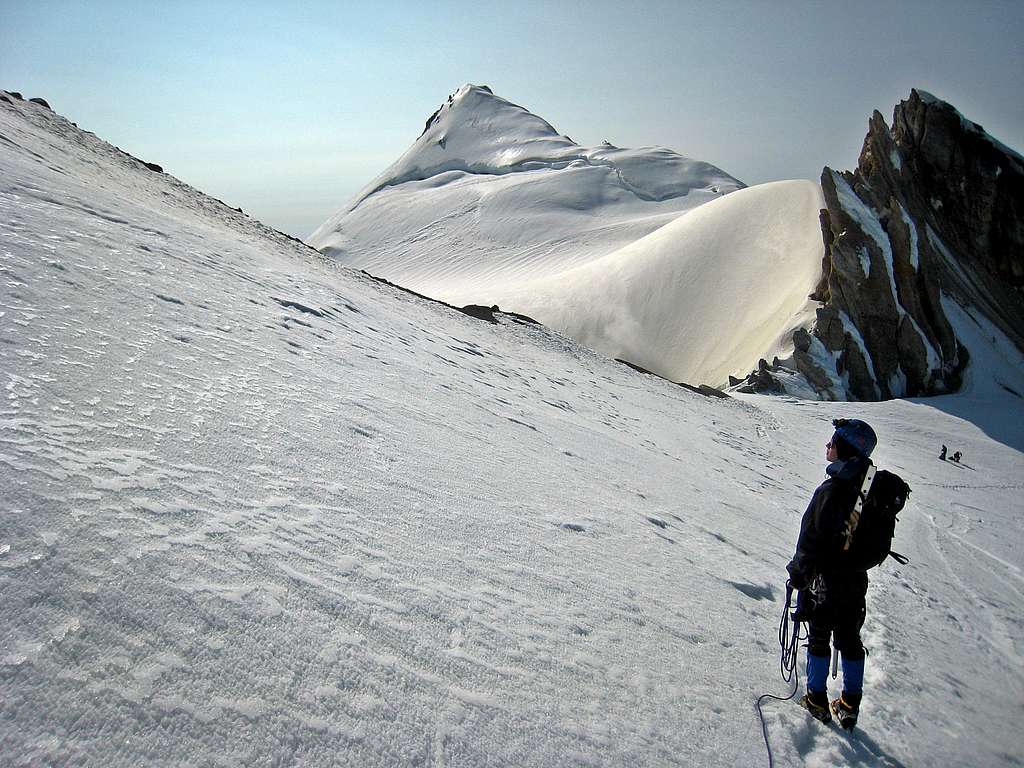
[(763, 381), (934, 209)]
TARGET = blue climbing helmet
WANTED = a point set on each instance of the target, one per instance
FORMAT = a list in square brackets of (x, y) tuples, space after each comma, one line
[(857, 434)]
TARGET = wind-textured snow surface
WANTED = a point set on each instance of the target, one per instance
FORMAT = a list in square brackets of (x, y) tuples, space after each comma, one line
[(492, 206), (260, 510)]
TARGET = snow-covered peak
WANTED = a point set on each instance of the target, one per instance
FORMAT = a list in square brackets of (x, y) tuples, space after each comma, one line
[(474, 112), (491, 198), (477, 132)]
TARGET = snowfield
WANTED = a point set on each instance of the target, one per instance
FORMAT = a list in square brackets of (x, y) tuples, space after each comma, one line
[(258, 509)]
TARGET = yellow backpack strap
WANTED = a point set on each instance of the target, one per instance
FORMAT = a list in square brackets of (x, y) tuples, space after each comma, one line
[(862, 495)]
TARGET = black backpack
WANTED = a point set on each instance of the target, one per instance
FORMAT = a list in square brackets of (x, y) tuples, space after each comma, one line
[(873, 531)]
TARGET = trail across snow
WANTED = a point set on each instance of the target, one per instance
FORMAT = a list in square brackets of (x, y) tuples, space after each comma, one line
[(258, 509)]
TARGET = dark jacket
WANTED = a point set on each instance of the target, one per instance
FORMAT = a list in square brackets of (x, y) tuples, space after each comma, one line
[(819, 548)]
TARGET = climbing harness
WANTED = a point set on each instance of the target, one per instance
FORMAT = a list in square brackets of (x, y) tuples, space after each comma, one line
[(790, 635)]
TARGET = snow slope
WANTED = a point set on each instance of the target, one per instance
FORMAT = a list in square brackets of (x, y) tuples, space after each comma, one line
[(701, 298), (258, 509), (492, 206)]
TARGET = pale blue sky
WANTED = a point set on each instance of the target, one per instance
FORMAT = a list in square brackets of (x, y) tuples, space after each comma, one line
[(287, 108)]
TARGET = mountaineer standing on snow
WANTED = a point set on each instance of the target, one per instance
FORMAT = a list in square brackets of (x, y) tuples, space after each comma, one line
[(832, 592)]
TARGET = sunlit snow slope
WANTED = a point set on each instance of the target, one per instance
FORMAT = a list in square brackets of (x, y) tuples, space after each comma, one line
[(492, 206), (701, 298), (259, 510)]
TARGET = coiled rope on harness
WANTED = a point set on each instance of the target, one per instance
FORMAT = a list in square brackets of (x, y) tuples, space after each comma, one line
[(790, 635)]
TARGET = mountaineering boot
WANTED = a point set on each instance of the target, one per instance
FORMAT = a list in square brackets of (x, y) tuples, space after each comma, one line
[(816, 702), (846, 708)]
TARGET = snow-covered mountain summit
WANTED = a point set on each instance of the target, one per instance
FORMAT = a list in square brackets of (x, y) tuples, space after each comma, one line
[(491, 205), (477, 132)]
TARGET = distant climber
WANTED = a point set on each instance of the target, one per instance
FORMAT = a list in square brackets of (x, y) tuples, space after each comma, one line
[(942, 453), (831, 598), (957, 456)]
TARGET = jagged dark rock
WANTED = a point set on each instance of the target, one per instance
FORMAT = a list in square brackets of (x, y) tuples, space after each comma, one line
[(40, 102), (433, 117), (762, 381), (480, 312), (934, 209)]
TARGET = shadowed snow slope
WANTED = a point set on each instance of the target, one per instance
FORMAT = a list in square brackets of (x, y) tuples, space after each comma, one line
[(259, 510)]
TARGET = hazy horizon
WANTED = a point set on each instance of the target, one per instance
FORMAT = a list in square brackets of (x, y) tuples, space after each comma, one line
[(288, 112)]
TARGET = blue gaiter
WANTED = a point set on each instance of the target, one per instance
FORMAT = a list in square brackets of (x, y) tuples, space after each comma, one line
[(817, 672), (853, 676)]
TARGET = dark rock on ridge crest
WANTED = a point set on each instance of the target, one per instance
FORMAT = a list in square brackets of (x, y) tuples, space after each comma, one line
[(933, 209)]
